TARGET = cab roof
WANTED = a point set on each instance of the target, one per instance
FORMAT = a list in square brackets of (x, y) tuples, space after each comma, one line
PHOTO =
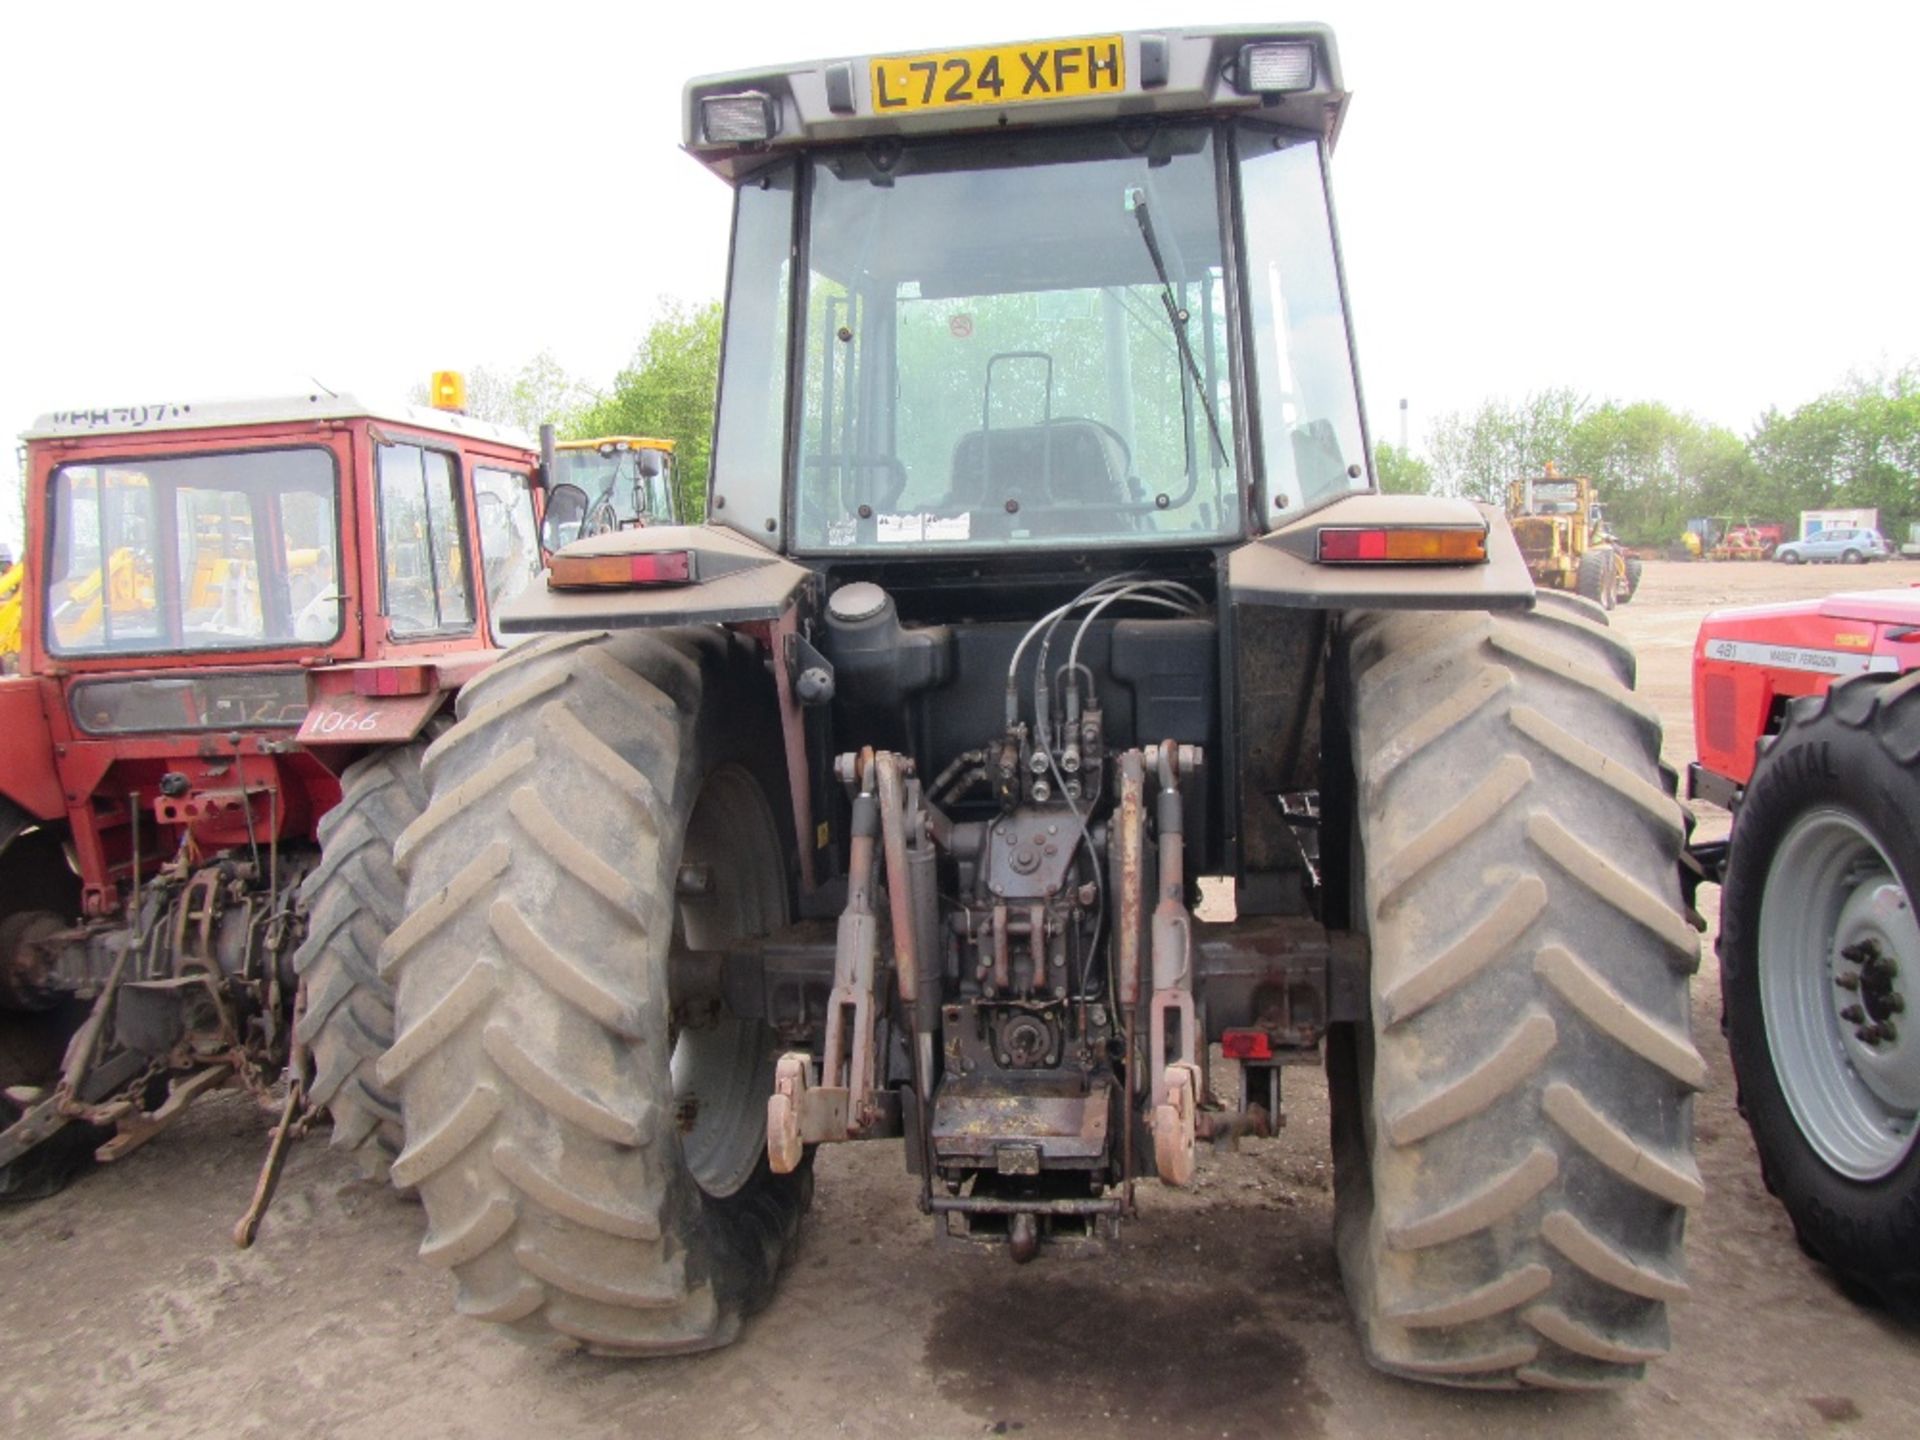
[(1182, 70), (174, 416), (635, 442)]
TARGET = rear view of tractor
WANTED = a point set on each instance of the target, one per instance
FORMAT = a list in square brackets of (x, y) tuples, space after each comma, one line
[(1042, 577), (239, 621), (627, 480), (1562, 530), (1808, 717)]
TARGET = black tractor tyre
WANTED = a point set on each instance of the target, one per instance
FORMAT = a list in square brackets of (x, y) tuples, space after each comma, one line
[(593, 1166), (1636, 567), (38, 889), (1512, 1126), (1594, 580), (1825, 854), (353, 900)]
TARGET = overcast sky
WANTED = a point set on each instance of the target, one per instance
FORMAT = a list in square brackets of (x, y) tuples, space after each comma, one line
[(1712, 205)]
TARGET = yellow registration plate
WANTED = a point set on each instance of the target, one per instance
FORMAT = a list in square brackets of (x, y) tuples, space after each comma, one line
[(1000, 75)]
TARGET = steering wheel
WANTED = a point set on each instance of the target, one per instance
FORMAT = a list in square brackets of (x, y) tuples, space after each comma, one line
[(603, 518)]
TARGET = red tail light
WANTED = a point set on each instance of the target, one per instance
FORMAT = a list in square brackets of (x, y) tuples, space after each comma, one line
[(616, 572), (1387, 545)]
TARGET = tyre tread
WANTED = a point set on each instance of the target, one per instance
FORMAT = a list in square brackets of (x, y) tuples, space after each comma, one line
[(353, 898), (541, 886), (1531, 1068)]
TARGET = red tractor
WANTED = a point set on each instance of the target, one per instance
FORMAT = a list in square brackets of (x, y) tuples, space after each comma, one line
[(240, 624), (1808, 718)]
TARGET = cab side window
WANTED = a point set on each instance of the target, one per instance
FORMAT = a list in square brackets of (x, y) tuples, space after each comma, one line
[(509, 538), (422, 545)]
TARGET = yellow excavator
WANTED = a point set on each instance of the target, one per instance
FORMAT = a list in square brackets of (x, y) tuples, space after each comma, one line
[(11, 582), (79, 607)]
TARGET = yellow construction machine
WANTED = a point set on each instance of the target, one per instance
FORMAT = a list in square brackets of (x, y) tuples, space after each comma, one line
[(10, 585), (629, 480), (1562, 531)]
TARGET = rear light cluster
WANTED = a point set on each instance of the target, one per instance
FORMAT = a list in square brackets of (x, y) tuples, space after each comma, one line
[(1412, 545), (620, 572)]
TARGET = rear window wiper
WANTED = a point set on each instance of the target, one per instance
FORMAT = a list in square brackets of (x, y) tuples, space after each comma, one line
[(1177, 317)]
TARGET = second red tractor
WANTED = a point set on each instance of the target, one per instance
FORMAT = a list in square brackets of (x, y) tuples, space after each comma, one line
[(1808, 718), (241, 623)]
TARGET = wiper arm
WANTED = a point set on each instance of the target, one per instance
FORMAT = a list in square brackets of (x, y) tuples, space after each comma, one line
[(1177, 318)]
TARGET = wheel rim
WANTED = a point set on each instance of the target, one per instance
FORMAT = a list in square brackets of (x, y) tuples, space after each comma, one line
[(1838, 944), (722, 1064)]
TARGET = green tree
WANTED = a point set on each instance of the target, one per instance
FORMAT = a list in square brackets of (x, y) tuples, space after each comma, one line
[(1654, 467), (1401, 472), (539, 393), (1858, 445), (667, 391), (1479, 454)]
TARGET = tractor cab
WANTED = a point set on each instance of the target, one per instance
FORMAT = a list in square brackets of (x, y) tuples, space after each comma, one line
[(625, 481), (192, 565), (1040, 297)]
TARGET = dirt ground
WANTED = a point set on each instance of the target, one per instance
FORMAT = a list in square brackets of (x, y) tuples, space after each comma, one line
[(124, 1309)]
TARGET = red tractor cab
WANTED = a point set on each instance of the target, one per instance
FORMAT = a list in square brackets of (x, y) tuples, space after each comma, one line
[(233, 612), (1808, 718)]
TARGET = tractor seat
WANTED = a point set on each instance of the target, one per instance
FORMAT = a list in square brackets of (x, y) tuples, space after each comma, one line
[(1064, 462)]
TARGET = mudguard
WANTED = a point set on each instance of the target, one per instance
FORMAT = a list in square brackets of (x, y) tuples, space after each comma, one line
[(1279, 568), (741, 582), (383, 702)]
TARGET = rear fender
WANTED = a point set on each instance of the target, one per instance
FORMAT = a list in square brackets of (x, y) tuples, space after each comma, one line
[(733, 582), (1280, 568), (383, 702), (737, 583)]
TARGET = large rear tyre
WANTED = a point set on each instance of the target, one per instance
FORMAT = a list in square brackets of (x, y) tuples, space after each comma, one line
[(1595, 579), (1636, 567), (353, 901), (1513, 1159), (1818, 954), (38, 892), (593, 1163)]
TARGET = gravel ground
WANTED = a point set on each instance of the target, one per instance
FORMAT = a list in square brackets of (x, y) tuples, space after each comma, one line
[(125, 1311)]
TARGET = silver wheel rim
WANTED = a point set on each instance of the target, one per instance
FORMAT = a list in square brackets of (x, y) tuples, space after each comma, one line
[(722, 1065), (1832, 903)]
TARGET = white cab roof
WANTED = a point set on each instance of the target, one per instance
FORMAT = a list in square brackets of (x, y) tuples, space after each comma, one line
[(174, 416)]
